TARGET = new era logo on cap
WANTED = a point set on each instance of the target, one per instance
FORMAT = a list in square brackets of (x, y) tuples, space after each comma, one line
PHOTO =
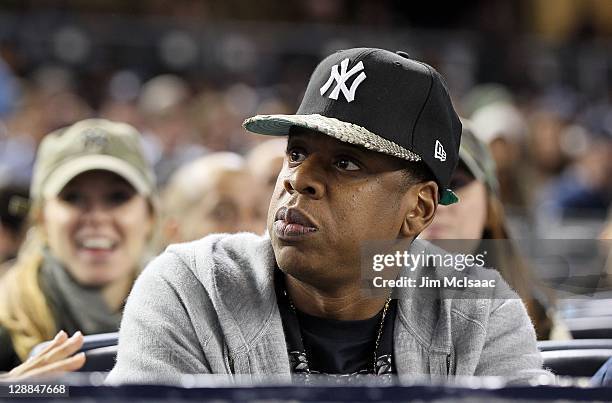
[(439, 152), (341, 78)]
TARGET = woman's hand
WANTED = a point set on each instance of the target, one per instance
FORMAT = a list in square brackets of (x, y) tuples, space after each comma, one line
[(54, 359)]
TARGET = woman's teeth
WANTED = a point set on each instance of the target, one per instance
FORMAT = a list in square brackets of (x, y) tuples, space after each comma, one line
[(97, 243)]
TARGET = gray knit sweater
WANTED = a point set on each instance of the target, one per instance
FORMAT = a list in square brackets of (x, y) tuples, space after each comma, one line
[(209, 306)]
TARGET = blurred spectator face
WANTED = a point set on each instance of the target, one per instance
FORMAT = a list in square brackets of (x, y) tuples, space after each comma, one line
[(217, 122), (98, 227), (118, 111), (505, 154), (545, 146), (215, 194), (502, 126), (595, 166), (229, 206), (465, 219), (64, 108), (163, 102), (265, 161), (172, 129)]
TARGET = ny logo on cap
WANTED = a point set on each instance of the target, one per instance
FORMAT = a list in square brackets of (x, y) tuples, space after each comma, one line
[(341, 77), (439, 152), (94, 140)]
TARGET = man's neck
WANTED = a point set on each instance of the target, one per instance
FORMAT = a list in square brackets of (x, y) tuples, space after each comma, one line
[(347, 303)]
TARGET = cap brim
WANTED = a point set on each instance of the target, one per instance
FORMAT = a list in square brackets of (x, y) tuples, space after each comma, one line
[(68, 171), (279, 125)]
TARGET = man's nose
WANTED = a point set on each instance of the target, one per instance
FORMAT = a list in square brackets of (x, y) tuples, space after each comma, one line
[(306, 179)]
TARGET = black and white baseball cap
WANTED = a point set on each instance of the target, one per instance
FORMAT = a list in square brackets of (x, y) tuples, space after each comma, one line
[(383, 101)]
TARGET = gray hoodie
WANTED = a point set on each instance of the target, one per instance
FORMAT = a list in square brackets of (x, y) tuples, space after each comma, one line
[(209, 306)]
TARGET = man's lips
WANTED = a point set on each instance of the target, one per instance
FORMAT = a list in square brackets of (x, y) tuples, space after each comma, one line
[(291, 223)]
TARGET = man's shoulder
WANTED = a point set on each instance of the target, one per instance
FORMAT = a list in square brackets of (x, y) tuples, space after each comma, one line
[(469, 293), (220, 278), (244, 257)]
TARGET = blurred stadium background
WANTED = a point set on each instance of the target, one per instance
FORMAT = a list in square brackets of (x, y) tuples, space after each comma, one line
[(535, 76)]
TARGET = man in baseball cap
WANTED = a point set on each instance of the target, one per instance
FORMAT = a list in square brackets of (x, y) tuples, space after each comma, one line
[(370, 153)]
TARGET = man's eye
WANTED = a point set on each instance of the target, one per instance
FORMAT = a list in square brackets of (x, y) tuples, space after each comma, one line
[(347, 165), (296, 156)]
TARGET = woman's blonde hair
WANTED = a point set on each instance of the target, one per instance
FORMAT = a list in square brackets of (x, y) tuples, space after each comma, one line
[(24, 311)]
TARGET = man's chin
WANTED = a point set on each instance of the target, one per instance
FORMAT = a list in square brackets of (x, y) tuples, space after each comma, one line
[(293, 258)]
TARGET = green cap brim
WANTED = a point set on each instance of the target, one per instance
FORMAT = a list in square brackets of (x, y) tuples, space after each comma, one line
[(448, 197)]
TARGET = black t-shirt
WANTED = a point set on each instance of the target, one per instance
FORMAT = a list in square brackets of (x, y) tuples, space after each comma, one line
[(319, 345), (339, 347)]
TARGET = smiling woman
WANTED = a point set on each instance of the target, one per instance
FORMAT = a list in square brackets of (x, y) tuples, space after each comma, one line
[(92, 219)]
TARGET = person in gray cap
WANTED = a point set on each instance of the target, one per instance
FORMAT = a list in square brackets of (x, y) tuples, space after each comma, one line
[(370, 155), (92, 214)]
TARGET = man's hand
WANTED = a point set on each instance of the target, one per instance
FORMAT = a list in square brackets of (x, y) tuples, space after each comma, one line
[(54, 359)]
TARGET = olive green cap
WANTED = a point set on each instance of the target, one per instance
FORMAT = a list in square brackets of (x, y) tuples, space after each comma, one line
[(91, 144)]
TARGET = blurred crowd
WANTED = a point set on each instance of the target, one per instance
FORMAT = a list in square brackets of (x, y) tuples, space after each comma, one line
[(550, 148), (552, 151)]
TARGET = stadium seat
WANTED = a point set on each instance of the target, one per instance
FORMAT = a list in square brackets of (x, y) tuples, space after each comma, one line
[(581, 344), (575, 357), (595, 327), (567, 357), (577, 362), (100, 359), (100, 350)]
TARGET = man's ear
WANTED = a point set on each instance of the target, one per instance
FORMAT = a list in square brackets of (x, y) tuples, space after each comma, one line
[(422, 205)]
